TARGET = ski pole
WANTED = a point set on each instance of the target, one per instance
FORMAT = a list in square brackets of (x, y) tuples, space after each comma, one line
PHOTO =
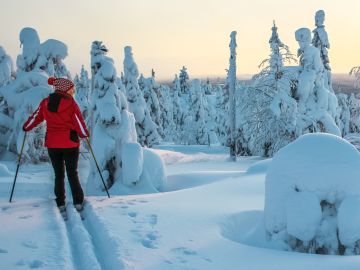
[(97, 166), (17, 168)]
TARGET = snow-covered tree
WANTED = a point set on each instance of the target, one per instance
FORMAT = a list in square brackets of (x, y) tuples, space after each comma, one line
[(222, 128), (82, 94), (280, 54), (24, 94), (151, 90), (355, 71), (320, 40), (208, 87), (113, 126), (316, 102), (195, 126), (52, 53), (7, 73), (125, 165), (232, 88), (312, 196), (167, 113), (178, 111), (145, 127), (266, 110), (354, 107), (344, 113), (184, 81)]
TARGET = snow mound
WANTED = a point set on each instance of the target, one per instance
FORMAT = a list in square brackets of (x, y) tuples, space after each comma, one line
[(306, 183), (259, 167), (4, 171)]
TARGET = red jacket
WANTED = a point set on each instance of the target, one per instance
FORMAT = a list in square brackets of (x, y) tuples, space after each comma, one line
[(64, 122)]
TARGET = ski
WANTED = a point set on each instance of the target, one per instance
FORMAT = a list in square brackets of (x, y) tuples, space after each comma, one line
[(80, 210), (63, 212)]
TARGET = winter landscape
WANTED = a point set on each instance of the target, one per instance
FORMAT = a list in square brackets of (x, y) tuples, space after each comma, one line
[(233, 171)]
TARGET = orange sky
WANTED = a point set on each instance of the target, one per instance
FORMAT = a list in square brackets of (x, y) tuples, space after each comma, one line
[(167, 34)]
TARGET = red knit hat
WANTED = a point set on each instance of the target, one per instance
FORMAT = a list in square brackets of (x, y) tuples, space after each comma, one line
[(61, 84)]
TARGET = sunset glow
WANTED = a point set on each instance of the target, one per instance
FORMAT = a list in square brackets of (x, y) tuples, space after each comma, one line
[(165, 35)]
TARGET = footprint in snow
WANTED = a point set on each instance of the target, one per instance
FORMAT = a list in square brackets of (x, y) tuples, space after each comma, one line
[(25, 217), (36, 264), (132, 214), (148, 243), (5, 208), (30, 244), (33, 264), (152, 236), (153, 220), (184, 251), (3, 250)]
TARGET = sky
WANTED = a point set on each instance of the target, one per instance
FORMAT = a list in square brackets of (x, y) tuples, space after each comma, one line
[(168, 34)]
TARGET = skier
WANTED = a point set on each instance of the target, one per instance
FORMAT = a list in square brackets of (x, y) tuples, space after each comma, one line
[(64, 126)]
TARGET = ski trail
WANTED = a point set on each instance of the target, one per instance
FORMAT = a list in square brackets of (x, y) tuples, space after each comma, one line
[(108, 246), (82, 247)]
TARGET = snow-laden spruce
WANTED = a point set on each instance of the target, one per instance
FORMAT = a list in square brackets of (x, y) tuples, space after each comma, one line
[(178, 110), (267, 110), (82, 94), (343, 113), (222, 126), (7, 74), (23, 95), (151, 91), (167, 113), (195, 124), (317, 103), (281, 103), (320, 40), (312, 196), (184, 81), (145, 127), (125, 165)]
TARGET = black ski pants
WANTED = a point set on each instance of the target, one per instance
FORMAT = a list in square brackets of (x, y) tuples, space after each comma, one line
[(68, 158)]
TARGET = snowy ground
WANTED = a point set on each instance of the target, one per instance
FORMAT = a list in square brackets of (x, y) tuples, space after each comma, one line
[(209, 218)]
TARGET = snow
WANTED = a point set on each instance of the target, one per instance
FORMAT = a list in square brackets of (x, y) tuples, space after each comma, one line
[(303, 215), (132, 163), (4, 171), (217, 224), (321, 170), (349, 220)]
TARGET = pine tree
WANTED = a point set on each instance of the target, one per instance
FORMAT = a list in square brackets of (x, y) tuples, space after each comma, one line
[(82, 87), (320, 40), (7, 74), (24, 94), (199, 133), (178, 113), (145, 127), (151, 90), (52, 54), (184, 81), (113, 125), (167, 113), (222, 128)]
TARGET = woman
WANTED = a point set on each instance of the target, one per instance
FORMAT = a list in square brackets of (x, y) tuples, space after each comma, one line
[(64, 126)]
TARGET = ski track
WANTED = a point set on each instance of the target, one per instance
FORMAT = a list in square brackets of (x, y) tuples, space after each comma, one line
[(81, 245), (91, 246)]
